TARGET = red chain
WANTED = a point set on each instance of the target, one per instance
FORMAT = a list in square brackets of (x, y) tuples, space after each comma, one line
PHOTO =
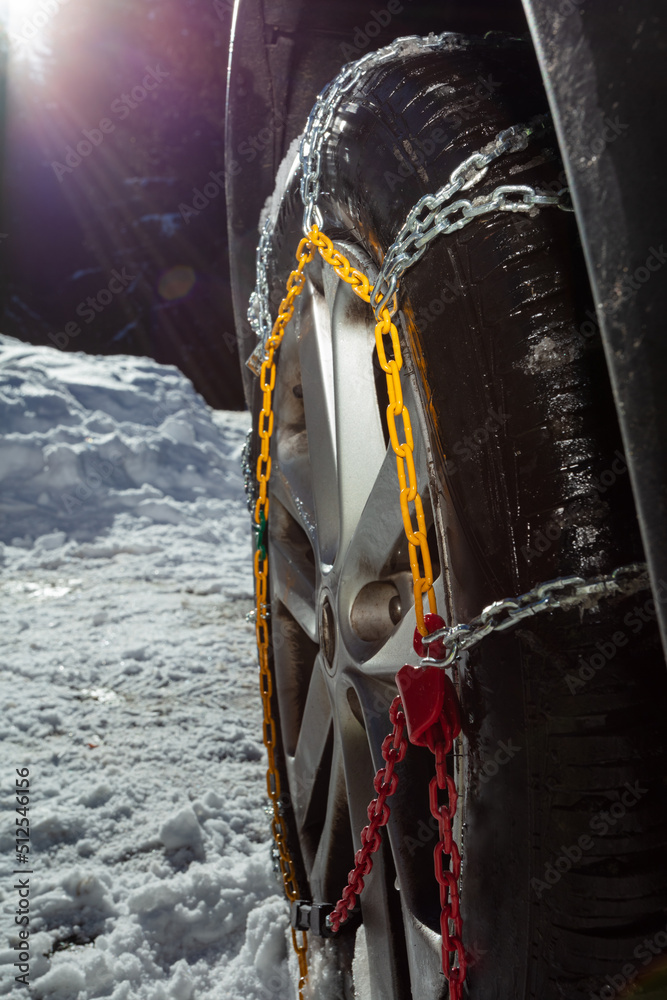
[(439, 741), (394, 746)]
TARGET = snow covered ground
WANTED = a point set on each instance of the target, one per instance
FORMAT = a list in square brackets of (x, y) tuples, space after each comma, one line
[(129, 689)]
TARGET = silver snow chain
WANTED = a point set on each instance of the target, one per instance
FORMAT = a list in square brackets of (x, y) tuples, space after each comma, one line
[(563, 594), (249, 477), (259, 314), (326, 105), (310, 159), (432, 216)]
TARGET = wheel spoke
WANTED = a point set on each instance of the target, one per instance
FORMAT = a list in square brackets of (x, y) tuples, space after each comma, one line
[(327, 877), (424, 949), (398, 648), (315, 355), (290, 484), (305, 768), (384, 942), (379, 529), (292, 582), (360, 443), (379, 551), (380, 903), (291, 471)]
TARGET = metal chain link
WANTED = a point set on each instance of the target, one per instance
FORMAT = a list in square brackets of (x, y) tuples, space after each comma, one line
[(565, 593), (259, 314), (327, 103), (310, 157), (249, 481), (416, 232), (418, 229), (441, 218)]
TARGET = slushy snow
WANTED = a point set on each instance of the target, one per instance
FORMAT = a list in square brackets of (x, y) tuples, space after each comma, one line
[(129, 689)]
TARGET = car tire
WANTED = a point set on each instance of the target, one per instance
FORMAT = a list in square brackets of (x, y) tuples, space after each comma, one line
[(561, 762)]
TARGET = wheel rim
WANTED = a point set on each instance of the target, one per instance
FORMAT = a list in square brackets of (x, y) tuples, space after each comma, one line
[(342, 625)]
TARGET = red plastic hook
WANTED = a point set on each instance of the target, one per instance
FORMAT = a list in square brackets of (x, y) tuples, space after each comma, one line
[(426, 694)]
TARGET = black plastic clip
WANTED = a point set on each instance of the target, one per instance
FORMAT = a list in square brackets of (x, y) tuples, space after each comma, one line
[(307, 916)]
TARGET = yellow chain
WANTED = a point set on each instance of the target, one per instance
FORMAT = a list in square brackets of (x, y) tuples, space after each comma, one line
[(405, 462), (407, 478), (267, 382)]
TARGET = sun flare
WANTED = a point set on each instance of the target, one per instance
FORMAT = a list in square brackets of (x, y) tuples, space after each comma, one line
[(27, 22)]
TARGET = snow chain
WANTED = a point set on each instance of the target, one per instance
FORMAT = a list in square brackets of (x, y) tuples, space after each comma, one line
[(265, 429), (441, 730), (423, 584), (422, 575), (427, 705)]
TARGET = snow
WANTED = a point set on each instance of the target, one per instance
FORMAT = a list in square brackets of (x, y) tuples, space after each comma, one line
[(129, 685), (88, 438)]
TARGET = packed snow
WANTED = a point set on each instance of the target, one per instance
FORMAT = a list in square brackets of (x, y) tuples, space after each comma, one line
[(129, 687)]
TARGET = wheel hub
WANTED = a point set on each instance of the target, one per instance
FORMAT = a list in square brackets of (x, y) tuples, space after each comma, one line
[(376, 610)]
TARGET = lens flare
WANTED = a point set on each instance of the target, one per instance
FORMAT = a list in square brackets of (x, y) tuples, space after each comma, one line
[(647, 978), (177, 282), (27, 24)]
